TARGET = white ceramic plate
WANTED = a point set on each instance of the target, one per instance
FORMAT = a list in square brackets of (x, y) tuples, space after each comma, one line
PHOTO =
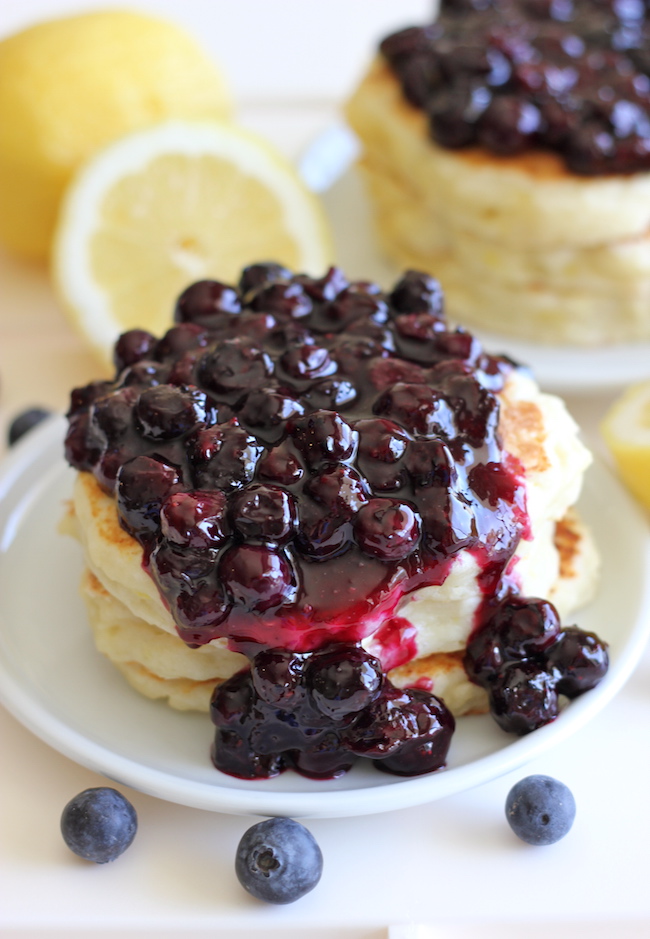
[(326, 167), (54, 682)]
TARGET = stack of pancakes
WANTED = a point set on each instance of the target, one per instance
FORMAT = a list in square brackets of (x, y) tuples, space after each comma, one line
[(521, 245), (135, 630)]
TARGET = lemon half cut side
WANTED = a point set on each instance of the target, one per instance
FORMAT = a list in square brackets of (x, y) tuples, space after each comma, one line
[(170, 205), (626, 431)]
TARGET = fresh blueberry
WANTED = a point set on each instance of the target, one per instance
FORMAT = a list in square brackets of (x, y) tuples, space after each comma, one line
[(540, 809), (278, 861), (25, 422), (99, 824)]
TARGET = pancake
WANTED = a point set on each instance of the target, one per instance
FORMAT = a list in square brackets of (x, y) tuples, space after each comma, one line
[(135, 630), (522, 245)]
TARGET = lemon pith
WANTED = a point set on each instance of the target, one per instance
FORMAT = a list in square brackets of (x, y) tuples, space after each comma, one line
[(170, 205)]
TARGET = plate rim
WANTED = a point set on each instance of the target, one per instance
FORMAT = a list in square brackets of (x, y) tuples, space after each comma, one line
[(399, 793)]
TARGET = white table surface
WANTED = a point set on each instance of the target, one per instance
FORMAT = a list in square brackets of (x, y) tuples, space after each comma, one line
[(451, 869)]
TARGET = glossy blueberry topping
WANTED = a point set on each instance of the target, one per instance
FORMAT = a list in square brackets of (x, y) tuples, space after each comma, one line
[(524, 658), (295, 456), (508, 75), (319, 712), (132, 346), (203, 303)]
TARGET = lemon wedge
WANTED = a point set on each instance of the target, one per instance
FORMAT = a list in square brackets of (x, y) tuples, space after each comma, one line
[(626, 431), (170, 205)]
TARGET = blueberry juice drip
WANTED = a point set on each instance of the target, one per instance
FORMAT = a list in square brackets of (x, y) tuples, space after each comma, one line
[(295, 455), (570, 76)]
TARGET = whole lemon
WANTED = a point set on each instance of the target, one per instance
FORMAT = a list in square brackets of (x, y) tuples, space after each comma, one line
[(69, 86)]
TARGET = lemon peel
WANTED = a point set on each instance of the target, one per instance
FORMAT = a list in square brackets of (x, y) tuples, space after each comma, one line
[(626, 431)]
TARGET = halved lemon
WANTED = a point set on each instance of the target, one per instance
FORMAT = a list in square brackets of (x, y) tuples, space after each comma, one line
[(626, 431), (170, 205)]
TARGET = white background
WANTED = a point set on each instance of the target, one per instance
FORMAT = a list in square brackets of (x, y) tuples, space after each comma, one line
[(452, 864)]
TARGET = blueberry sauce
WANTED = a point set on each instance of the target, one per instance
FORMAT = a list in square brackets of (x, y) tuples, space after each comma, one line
[(295, 456), (572, 76)]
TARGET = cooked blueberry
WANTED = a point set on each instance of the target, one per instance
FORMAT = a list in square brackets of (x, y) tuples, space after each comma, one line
[(25, 422), (144, 374), (321, 534), (419, 408), (455, 344), (281, 465), (132, 346), (580, 658), (257, 327), (324, 437), (429, 463), (167, 411), (82, 398), (200, 608), (331, 395), (387, 529), (257, 578), (385, 373), (283, 301), (182, 338), (278, 861), (308, 362), (405, 43), (264, 513), (354, 302), (206, 302), (196, 519), (268, 410), (525, 625), (523, 698), (256, 275), (339, 489), (383, 727), (323, 288), (540, 809), (343, 681), (223, 456), (426, 749), (234, 366), (382, 445), (277, 676), (79, 451), (112, 414), (324, 758), (475, 409), (143, 483), (99, 824), (233, 699), (509, 124), (449, 111)]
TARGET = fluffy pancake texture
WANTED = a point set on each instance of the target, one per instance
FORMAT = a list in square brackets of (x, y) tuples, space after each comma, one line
[(133, 627), (521, 245)]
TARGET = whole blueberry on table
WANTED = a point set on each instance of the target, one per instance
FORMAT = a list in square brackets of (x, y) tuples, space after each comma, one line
[(24, 422), (278, 861), (540, 809), (99, 824)]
